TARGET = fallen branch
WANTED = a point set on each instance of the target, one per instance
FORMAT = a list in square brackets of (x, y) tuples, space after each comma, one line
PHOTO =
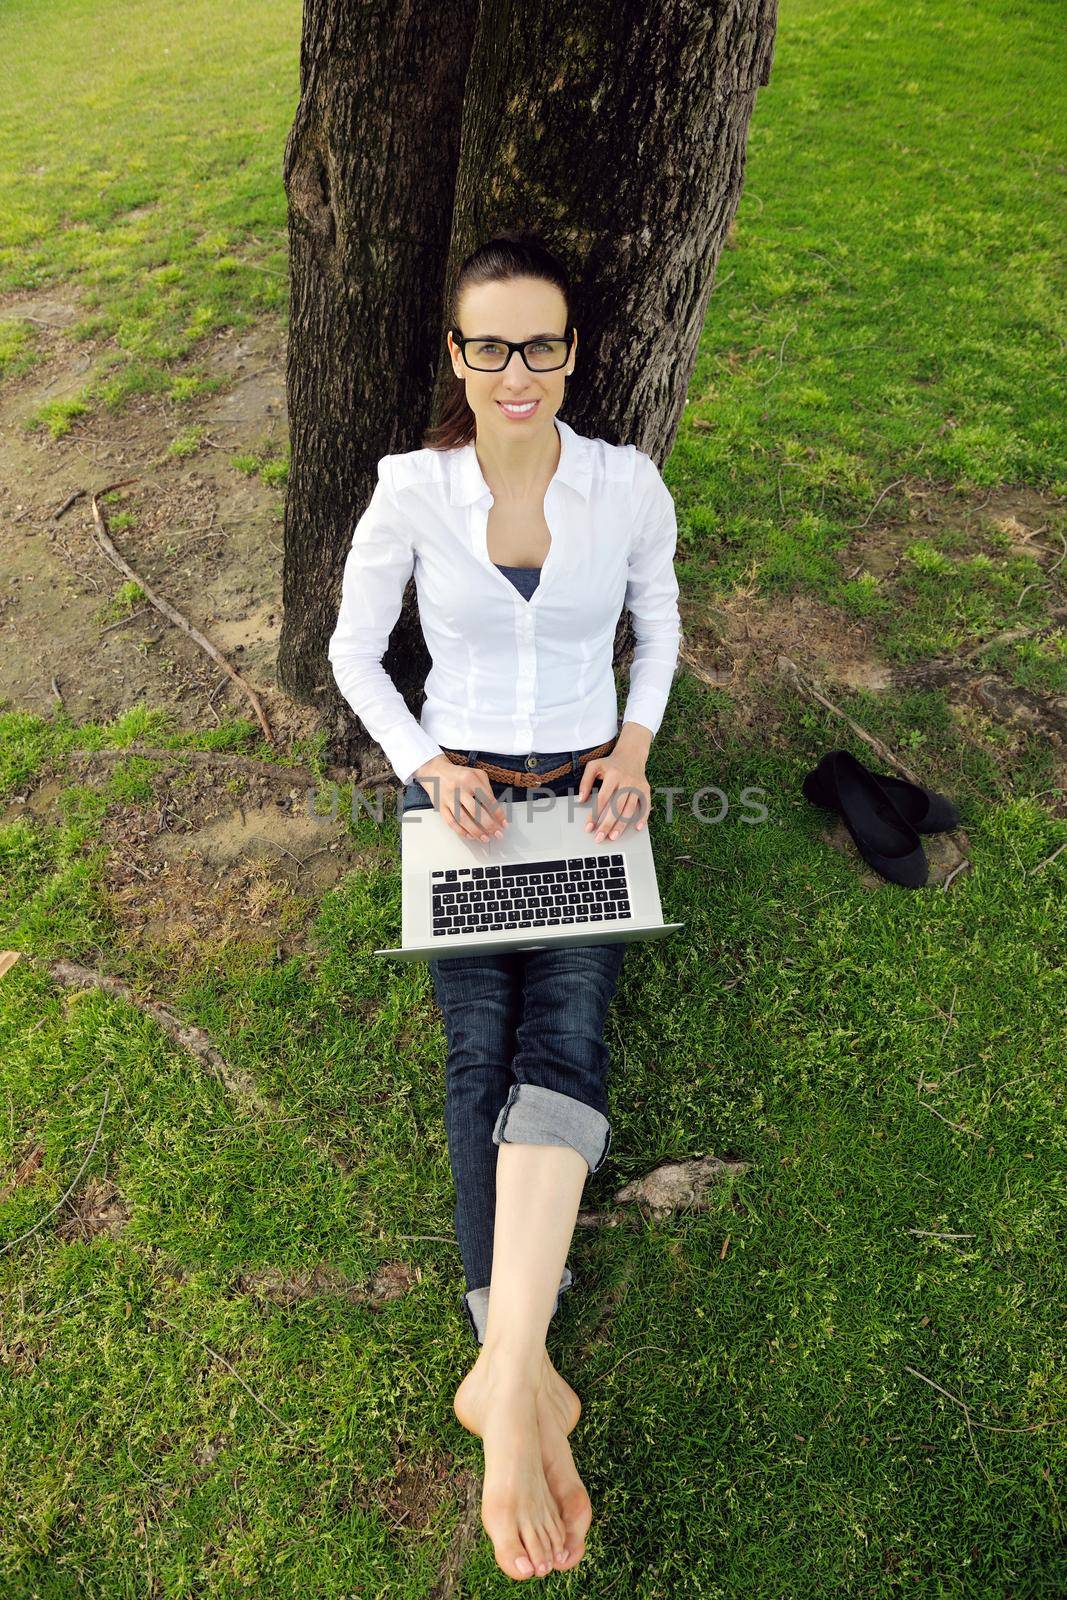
[(68, 502), (164, 606), (809, 686)]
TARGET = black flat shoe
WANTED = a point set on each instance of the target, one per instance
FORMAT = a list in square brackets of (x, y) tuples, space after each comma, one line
[(885, 839), (927, 811)]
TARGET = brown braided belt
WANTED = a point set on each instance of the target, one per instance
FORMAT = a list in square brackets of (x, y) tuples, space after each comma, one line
[(530, 780)]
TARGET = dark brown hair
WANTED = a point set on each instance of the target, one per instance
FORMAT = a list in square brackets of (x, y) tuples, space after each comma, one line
[(512, 254)]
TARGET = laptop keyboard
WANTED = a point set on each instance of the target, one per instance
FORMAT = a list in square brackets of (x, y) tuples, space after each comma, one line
[(530, 894)]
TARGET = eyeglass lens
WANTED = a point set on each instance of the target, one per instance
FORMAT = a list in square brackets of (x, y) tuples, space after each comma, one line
[(489, 355)]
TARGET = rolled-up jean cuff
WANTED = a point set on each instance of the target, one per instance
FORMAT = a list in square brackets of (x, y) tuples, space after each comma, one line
[(532, 1114), (476, 1304)]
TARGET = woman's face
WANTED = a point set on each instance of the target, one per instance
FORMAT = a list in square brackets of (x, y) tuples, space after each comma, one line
[(522, 308)]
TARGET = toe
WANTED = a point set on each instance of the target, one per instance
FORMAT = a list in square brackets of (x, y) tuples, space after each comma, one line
[(556, 1546), (513, 1560), (553, 1533), (501, 1524), (536, 1547)]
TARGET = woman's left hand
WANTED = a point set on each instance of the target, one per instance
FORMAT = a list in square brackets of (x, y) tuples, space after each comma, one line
[(620, 774)]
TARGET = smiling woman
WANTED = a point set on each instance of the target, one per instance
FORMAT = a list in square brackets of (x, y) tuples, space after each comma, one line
[(521, 682), (511, 673)]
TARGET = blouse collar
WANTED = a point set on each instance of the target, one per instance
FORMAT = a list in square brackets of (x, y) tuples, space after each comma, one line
[(574, 468)]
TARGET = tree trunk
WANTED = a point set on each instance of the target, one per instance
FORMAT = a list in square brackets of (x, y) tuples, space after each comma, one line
[(617, 130), (370, 173)]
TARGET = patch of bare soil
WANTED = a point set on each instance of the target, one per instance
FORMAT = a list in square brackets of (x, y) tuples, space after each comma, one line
[(98, 1208), (202, 868), (735, 643), (203, 535), (216, 857), (420, 1482), (1020, 513), (411, 1498), (738, 640), (25, 1168), (391, 1281)]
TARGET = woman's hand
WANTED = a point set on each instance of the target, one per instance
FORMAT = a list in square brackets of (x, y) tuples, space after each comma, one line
[(464, 797), (621, 774)]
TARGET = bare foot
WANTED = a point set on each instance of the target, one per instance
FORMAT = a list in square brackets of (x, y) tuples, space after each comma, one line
[(558, 1409), (518, 1509)]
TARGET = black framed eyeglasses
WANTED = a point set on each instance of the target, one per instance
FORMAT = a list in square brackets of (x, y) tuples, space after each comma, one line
[(493, 355)]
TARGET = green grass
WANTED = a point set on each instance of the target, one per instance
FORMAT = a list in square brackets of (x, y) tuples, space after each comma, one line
[(273, 470), (812, 1006), (140, 160), (760, 1415)]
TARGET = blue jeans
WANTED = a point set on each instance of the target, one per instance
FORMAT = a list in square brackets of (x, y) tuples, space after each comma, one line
[(527, 1062)]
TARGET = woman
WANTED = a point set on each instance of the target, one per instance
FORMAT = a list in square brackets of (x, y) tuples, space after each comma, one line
[(525, 539)]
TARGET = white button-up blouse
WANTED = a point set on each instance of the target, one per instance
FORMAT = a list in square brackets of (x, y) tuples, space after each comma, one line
[(510, 675)]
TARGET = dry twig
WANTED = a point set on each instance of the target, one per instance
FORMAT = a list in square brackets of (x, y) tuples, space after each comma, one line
[(809, 686), (176, 617), (1053, 1422), (957, 869)]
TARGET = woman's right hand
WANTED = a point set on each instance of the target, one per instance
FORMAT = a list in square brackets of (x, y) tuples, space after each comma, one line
[(464, 797)]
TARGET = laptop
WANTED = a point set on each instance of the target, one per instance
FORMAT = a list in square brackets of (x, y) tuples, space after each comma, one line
[(544, 883)]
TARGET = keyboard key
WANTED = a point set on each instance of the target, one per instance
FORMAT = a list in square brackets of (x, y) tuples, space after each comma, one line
[(523, 895)]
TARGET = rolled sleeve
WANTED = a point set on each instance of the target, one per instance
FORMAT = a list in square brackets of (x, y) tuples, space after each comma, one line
[(652, 600), (379, 564)]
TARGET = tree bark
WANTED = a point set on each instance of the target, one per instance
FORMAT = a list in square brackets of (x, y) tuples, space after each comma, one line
[(616, 130), (370, 172)]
